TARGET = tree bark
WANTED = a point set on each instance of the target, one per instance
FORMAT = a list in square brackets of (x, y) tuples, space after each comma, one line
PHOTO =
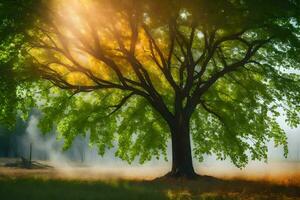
[(182, 163)]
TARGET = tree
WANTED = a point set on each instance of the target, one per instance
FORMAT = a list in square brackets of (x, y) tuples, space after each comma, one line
[(15, 17), (141, 72)]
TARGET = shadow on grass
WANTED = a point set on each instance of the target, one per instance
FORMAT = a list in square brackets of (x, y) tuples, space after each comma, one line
[(41, 189), (204, 188), (210, 188)]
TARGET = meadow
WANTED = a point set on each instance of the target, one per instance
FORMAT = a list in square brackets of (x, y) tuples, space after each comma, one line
[(16, 184)]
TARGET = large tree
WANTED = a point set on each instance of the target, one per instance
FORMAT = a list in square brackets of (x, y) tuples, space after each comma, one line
[(134, 73), (15, 18)]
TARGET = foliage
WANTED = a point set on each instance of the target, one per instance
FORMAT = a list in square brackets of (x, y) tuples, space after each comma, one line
[(135, 127), (15, 18), (130, 71)]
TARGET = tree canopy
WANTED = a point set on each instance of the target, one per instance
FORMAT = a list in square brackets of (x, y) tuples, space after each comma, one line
[(15, 18), (137, 73)]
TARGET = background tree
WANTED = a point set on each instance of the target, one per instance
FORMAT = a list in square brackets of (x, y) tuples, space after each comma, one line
[(141, 72), (15, 18)]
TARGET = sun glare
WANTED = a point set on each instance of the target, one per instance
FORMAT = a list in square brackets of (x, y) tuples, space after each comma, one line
[(81, 31)]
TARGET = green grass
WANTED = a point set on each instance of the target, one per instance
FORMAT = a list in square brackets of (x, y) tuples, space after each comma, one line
[(41, 189), (38, 188)]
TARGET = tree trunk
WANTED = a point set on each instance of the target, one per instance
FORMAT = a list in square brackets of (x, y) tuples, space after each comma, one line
[(182, 163)]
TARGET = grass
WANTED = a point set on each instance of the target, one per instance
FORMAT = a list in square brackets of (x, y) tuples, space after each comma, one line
[(39, 188), (42, 189)]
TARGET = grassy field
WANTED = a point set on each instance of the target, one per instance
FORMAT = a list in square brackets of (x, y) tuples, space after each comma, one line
[(82, 183), (30, 187)]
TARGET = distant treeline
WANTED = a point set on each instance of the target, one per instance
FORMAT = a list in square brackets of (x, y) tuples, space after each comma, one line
[(16, 143), (8, 140)]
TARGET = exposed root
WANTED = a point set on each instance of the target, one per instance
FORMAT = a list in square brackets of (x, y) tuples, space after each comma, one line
[(189, 177)]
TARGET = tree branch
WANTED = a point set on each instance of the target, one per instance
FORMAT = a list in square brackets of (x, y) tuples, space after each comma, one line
[(122, 102)]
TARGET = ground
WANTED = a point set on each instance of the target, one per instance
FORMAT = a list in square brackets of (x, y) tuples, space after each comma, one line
[(52, 184)]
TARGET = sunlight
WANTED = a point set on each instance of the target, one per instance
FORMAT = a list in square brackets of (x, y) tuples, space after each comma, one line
[(83, 28)]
